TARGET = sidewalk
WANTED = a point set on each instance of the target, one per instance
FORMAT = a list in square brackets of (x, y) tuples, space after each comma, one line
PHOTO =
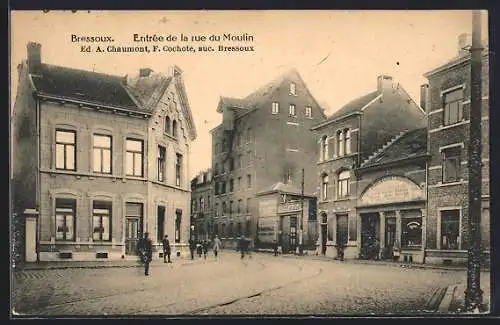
[(126, 263), (456, 302)]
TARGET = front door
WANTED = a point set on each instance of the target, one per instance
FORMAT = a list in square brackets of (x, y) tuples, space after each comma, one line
[(293, 234), (133, 233), (390, 236), (324, 231)]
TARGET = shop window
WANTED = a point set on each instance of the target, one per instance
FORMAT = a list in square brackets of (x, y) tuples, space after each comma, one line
[(450, 229), (411, 230), (101, 221)]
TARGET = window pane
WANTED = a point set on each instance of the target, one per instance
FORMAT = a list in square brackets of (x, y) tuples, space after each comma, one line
[(453, 95), (65, 137), (450, 229), (59, 156), (129, 162), (96, 227), (134, 145), (106, 161), (69, 227), (138, 165), (105, 225), (97, 160), (446, 115), (411, 232), (70, 157), (59, 226), (102, 141)]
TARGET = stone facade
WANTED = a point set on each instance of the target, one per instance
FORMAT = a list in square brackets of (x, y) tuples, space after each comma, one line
[(201, 206), (84, 193), (263, 139)]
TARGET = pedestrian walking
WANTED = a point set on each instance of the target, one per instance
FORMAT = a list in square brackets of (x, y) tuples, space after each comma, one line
[(204, 245), (145, 249), (166, 250), (242, 246), (199, 248), (192, 247), (275, 247), (217, 245)]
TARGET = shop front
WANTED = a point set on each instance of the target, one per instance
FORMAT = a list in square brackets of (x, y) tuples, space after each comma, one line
[(392, 218)]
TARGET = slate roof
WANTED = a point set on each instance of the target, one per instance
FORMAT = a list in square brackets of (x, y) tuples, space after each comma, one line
[(354, 105), (87, 86), (411, 144), (143, 88)]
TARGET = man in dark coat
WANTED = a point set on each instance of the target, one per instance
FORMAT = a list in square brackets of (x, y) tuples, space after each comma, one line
[(242, 246), (192, 247), (166, 250), (146, 252)]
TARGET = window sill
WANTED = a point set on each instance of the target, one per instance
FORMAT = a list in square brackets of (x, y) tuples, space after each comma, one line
[(449, 126), (440, 184), (170, 136), (342, 199)]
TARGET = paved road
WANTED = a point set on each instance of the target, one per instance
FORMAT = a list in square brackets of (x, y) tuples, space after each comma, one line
[(263, 284)]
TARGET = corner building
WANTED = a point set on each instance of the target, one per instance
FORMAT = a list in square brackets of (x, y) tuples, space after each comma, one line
[(448, 110), (263, 139), (109, 160)]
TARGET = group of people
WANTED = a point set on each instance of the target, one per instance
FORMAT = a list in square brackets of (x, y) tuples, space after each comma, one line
[(145, 249)]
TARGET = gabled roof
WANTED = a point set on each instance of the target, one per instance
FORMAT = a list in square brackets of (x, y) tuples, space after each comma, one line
[(144, 88), (81, 85), (354, 105), (412, 144)]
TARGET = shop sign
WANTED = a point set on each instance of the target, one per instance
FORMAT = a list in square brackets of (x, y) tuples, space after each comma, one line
[(391, 190), (289, 206)]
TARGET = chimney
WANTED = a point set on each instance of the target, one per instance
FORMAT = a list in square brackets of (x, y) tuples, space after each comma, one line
[(384, 83), (34, 57), (145, 72), (464, 43), (174, 71), (424, 92)]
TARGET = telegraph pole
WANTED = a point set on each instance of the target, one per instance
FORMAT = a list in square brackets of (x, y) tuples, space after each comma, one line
[(301, 227), (473, 293)]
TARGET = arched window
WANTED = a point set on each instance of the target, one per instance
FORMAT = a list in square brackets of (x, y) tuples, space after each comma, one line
[(174, 128), (324, 148), (167, 125), (343, 184), (324, 187)]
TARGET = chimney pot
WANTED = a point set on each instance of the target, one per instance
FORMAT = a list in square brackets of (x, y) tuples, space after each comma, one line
[(145, 72), (34, 57), (424, 91), (384, 82)]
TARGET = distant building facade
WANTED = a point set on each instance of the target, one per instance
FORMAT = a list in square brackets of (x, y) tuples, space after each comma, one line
[(99, 160), (448, 110), (201, 206), (263, 139), (353, 208)]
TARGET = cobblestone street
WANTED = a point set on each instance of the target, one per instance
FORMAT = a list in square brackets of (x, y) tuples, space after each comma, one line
[(263, 284)]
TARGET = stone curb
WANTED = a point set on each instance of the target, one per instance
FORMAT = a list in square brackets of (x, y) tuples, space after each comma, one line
[(65, 267), (444, 305)]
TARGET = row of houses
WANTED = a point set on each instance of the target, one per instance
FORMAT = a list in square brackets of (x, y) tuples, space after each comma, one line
[(382, 177)]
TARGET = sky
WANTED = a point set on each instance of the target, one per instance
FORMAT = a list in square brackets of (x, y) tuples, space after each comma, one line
[(339, 54)]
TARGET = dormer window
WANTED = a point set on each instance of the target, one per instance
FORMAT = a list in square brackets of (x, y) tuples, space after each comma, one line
[(293, 89), (275, 108)]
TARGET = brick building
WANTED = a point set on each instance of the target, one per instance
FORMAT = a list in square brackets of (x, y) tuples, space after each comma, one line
[(448, 109), (99, 159), (263, 139), (201, 206), (349, 139)]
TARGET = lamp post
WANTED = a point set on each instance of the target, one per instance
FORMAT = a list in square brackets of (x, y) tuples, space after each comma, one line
[(473, 293)]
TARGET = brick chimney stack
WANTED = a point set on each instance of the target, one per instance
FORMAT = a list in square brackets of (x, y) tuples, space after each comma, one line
[(34, 57), (384, 83), (464, 43)]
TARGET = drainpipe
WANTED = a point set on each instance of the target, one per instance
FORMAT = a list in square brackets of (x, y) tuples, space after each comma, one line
[(38, 189)]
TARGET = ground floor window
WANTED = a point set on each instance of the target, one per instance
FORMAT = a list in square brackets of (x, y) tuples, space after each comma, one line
[(65, 219), (342, 229), (101, 220), (450, 229), (411, 229), (160, 223), (178, 221)]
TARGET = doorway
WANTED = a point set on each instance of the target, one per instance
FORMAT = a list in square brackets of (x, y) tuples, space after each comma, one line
[(370, 241), (390, 236), (133, 233)]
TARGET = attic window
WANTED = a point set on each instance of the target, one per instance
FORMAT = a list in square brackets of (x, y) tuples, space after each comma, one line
[(293, 89)]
